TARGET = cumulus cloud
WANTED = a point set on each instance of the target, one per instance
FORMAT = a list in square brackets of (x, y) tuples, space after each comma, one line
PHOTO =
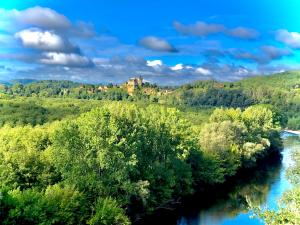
[(116, 70), (54, 38), (66, 59), (272, 52), (291, 39), (46, 19), (229, 72), (41, 17), (243, 33), (263, 55), (157, 44), (50, 34), (242, 55), (202, 29), (177, 67), (53, 48), (277, 68), (199, 28), (44, 40), (180, 67), (154, 63), (203, 71), (119, 69)]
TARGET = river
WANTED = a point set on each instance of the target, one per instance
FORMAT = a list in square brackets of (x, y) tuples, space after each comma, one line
[(264, 188)]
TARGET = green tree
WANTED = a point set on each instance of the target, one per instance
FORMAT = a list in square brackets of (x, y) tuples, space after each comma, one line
[(223, 140), (56, 205), (22, 162), (108, 212)]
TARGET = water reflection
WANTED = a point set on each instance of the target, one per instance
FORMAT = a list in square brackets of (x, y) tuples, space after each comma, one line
[(264, 188)]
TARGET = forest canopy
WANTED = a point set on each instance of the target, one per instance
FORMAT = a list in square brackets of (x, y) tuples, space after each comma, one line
[(121, 160), (75, 154)]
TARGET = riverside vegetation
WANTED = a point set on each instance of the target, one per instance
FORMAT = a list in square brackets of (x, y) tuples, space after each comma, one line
[(105, 159), (288, 211)]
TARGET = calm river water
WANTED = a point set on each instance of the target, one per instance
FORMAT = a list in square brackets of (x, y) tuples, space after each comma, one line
[(265, 189)]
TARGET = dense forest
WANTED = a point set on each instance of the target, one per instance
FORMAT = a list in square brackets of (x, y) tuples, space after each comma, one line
[(71, 154), (280, 90)]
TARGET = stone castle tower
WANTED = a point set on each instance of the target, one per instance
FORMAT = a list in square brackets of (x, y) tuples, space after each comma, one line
[(133, 84)]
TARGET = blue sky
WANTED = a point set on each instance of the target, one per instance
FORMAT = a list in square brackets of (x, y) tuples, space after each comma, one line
[(167, 42)]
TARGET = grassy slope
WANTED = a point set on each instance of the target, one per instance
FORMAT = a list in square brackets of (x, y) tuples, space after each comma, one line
[(282, 80)]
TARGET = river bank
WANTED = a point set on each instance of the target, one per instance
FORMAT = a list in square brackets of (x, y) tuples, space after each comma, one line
[(293, 132), (264, 188), (207, 196)]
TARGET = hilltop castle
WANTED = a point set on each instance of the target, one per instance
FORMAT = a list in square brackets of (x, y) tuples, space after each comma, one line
[(133, 84)]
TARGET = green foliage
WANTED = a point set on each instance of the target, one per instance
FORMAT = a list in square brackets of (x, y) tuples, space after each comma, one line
[(108, 212), (55, 205), (23, 163), (241, 137), (111, 150), (62, 154), (221, 140), (21, 113), (207, 168), (63, 89), (280, 90), (289, 205), (217, 97)]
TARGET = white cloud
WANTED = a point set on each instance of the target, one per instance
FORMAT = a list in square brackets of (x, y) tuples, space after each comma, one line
[(44, 18), (154, 63), (45, 40), (177, 67), (119, 69), (243, 71), (264, 55), (275, 53), (202, 29), (157, 44), (41, 17), (291, 39), (199, 28), (203, 71), (64, 59), (243, 33)]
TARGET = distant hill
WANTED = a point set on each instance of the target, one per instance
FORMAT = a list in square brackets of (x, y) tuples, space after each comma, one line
[(5, 83), (282, 91), (284, 80), (23, 81), (20, 81)]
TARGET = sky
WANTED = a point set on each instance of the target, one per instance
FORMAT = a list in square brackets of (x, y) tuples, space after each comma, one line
[(167, 42)]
